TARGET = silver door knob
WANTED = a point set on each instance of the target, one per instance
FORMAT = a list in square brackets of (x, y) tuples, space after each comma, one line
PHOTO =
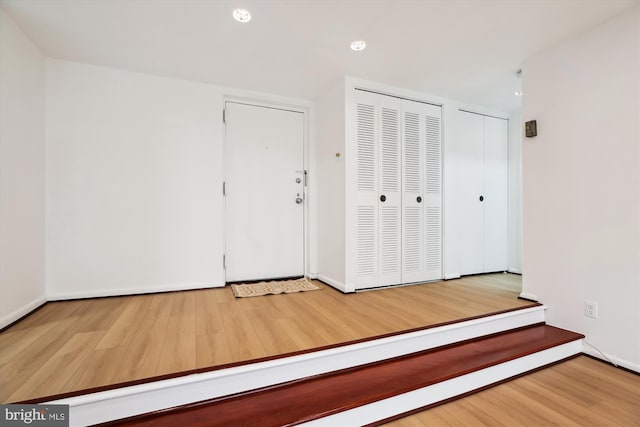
[(298, 200), (298, 180)]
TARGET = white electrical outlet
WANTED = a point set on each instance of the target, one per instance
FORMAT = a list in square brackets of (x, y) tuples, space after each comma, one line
[(591, 309)]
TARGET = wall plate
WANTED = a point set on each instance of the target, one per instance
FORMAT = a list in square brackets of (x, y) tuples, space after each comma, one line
[(530, 129)]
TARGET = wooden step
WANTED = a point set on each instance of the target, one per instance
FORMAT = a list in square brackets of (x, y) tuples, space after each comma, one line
[(339, 392)]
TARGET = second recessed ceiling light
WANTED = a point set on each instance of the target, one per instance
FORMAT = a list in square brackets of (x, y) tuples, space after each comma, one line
[(358, 45), (242, 15)]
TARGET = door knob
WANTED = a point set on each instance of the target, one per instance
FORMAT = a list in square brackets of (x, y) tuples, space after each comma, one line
[(383, 198), (418, 199), (481, 198), (298, 200), (298, 180)]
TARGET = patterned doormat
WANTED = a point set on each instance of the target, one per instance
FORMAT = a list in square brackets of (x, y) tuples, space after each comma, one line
[(273, 288)]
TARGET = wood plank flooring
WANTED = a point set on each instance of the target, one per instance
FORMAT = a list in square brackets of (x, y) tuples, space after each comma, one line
[(579, 392), (75, 345)]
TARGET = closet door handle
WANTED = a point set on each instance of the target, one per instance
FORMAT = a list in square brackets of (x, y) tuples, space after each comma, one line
[(481, 198), (383, 198), (418, 199)]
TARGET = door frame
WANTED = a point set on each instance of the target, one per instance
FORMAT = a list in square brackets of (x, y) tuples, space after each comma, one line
[(305, 160)]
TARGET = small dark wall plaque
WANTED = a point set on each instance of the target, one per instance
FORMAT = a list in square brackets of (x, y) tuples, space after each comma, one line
[(530, 129)]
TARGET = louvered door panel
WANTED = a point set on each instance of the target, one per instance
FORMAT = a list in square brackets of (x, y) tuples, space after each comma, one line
[(366, 200), (390, 210), (422, 193), (431, 120), (412, 193)]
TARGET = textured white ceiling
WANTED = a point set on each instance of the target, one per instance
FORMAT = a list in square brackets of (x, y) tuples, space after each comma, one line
[(463, 49)]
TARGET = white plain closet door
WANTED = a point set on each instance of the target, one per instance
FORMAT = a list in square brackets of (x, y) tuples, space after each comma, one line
[(496, 160), (422, 192), (483, 164)]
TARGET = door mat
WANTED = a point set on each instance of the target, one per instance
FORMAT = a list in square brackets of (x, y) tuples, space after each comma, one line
[(273, 288)]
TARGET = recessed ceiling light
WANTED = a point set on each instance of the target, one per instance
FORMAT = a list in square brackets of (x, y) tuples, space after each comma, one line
[(358, 45), (242, 15), (518, 93)]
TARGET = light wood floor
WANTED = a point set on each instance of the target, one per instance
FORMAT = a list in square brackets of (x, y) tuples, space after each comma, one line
[(74, 345), (579, 392)]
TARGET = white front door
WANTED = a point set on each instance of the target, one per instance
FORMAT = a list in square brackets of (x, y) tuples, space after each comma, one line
[(265, 185)]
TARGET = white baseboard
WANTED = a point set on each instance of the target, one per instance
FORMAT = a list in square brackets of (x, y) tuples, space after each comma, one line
[(610, 358), (439, 392), (57, 296), (125, 402), (514, 270), (334, 283), (451, 276), (528, 296), (25, 309), (312, 275)]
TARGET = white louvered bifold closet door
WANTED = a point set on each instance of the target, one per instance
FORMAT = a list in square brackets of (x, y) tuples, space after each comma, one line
[(397, 214), (422, 192), (366, 189)]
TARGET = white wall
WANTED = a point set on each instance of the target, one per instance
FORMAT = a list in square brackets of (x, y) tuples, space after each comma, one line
[(581, 185), (22, 181), (515, 193), (330, 186), (134, 179), (134, 172)]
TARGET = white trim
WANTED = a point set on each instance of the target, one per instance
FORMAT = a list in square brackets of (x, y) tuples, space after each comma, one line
[(24, 310), (514, 270), (616, 360), (447, 389), (452, 276), (334, 283), (528, 296), (134, 400), (56, 296)]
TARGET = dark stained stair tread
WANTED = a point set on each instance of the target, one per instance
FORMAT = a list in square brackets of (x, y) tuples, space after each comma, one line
[(315, 397)]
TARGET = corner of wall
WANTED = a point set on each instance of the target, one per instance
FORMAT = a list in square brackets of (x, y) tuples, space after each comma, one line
[(22, 173), (581, 199)]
